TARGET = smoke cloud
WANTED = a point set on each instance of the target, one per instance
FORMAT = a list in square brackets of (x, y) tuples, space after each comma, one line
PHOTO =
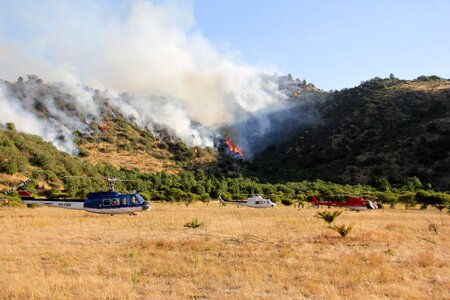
[(152, 50), (51, 129)]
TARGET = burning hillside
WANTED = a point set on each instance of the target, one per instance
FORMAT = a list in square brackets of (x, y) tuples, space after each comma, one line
[(154, 67), (234, 150), (56, 110)]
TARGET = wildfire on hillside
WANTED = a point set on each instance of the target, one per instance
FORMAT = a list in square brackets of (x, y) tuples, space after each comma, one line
[(234, 149), (104, 127)]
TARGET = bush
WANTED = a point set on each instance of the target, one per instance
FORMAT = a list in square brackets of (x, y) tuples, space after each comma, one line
[(343, 230), (10, 126), (175, 194), (382, 184), (328, 215), (408, 200), (194, 223), (387, 198), (124, 147), (83, 152), (145, 195), (423, 198), (275, 198), (205, 198), (287, 202), (226, 196), (438, 200), (43, 160), (11, 161)]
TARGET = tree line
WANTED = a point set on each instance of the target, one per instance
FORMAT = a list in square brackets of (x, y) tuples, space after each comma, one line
[(42, 162)]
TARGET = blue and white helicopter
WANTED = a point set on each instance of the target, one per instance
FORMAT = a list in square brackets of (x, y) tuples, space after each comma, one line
[(109, 202)]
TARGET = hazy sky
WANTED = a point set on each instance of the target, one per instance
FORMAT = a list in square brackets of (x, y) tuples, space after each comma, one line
[(331, 43)]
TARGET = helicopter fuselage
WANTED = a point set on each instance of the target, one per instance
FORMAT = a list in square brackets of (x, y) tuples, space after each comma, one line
[(97, 202), (255, 202)]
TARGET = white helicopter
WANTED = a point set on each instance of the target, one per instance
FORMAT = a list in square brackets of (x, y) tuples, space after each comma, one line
[(254, 201)]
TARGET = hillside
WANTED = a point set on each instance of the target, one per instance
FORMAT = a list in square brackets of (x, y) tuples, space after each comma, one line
[(96, 125), (383, 128), (121, 143)]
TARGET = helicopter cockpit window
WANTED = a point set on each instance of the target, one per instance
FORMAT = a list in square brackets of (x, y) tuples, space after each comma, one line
[(116, 201), (140, 198), (133, 200), (106, 202)]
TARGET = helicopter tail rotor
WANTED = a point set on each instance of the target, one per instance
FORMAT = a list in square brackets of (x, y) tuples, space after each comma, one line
[(18, 187)]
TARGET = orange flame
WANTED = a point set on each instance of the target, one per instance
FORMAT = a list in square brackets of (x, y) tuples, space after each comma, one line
[(233, 148), (104, 127)]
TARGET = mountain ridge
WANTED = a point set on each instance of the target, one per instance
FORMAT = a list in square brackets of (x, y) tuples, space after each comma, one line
[(384, 128)]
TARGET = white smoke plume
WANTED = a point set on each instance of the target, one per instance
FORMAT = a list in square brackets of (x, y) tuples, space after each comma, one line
[(152, 50), (13, 110)]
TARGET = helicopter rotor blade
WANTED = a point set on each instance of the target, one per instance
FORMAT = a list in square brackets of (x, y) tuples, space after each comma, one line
[(125, 180)]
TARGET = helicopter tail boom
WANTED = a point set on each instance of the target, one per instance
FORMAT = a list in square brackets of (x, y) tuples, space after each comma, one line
[(316, 203), (62, 203)]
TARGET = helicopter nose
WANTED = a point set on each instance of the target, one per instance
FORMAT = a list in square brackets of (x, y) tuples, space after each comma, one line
[(145, 205)]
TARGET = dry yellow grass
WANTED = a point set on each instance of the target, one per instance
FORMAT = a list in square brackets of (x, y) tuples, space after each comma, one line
[(7, 181), (159, 160), (239, 253), (136, 159)]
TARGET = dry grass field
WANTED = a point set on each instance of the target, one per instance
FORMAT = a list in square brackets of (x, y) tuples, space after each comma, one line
[(238, 253)]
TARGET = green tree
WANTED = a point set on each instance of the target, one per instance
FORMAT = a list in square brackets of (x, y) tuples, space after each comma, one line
[(408, 200), (11, 126)]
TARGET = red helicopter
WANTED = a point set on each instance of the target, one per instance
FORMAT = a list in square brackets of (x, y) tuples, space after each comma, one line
[(352, 203)]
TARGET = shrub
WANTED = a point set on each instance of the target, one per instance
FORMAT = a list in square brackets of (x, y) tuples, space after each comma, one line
[(439, 200), (226, 196), (408, 200), (43, 160), (382, 184), (11, 161), (194, 223), (275, 198), (328, 216), (205, 198), (124, 147), (387, 198), (145, 195), (11, 126), (343, 230), (83, 152), (190, 198), (287, 202)]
